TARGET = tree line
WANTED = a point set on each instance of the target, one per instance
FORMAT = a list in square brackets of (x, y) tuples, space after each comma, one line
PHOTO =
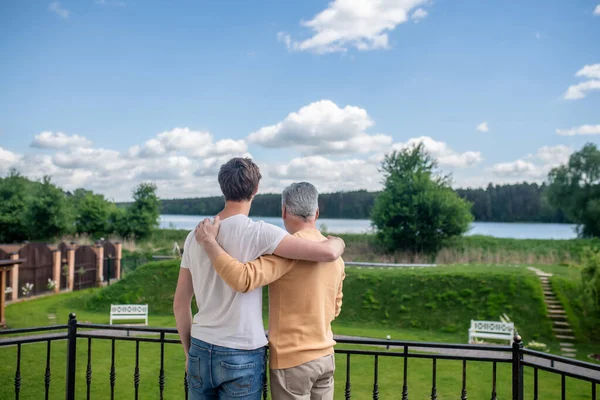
[(523, 202), (40, 210), (357, 205)]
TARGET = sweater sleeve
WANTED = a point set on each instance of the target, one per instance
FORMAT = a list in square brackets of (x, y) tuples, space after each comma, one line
[(251, 275), (340, 294)]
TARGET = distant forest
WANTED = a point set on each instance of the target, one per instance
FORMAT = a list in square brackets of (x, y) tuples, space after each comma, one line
[(524, 202)]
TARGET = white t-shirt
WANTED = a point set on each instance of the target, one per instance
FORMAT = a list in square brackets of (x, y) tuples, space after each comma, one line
[(225, 317)]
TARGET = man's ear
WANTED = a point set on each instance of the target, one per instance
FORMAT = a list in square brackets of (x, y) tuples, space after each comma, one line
[(283, 212), (317, 214), (254, 192)]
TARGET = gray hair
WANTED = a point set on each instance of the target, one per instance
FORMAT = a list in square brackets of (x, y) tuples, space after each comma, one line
[(301, 199)]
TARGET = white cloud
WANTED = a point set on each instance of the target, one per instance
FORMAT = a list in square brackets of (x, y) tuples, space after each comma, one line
[(166, 168), (323, 128), (517, 168), (89, 158), (227, 146), (330, 175), (597, 10), (580, 130), (483, 127), (8, 159), (58, 140), (112, 173), (180, 173), (590, 71), (576, 92), (534, 167), (326, 174), (538, 35), (445, 156), (579, 91), (194, 143), (418, 15), (175, 140), (35, 166), (361, 24), (59, 10), (554, 155)]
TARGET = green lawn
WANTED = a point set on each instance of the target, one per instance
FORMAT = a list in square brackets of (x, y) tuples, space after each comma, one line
[(377, 303), (479, 375)]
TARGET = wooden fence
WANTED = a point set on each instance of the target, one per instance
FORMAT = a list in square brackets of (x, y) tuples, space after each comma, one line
[(37, 268), (64, 266), (86, 266)]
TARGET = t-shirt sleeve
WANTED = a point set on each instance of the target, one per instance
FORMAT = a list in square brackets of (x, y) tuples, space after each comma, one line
[(270, 237), (185, 258)]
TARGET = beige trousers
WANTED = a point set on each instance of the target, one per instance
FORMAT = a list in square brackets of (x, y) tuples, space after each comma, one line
[(309, 381)]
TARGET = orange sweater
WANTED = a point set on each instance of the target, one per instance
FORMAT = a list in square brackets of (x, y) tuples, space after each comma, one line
[(304, 298)]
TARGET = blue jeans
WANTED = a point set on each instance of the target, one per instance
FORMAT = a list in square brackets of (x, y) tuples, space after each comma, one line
[(221, 373)]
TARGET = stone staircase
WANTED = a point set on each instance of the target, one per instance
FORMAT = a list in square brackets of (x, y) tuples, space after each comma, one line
[(560, 326)]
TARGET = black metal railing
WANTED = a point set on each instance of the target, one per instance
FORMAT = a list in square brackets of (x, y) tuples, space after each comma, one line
[(516, 356)]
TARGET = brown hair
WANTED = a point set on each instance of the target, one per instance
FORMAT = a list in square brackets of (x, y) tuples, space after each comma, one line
[(239, 178)]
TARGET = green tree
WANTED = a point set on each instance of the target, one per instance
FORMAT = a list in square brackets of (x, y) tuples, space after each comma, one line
[(117, 220), (92, 213), (575, 188), (47, 214), (141, 217), (14, 190), (417, 210)]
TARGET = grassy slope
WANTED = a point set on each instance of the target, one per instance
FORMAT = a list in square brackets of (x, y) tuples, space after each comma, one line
[(414, 304), (432, 299)]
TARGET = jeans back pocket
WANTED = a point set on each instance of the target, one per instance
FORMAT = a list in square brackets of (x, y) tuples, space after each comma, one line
[(194, 372), (241, 379)]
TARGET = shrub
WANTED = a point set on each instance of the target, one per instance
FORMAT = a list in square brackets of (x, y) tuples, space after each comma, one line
[(590, 276), (417, 210)]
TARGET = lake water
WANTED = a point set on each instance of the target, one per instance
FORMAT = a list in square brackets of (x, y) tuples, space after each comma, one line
[(496, 229)]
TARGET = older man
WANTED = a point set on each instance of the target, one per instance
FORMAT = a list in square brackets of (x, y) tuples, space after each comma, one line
[(304, 298)]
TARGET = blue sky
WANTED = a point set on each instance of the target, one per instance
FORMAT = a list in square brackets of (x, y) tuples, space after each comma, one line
[(106, 94)]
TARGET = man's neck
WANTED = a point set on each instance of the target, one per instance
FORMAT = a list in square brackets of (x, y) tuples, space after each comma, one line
[(234, 208), (301, 225)]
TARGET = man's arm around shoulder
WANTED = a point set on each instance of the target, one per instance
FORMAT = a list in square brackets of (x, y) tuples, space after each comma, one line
[(241, 277), (297, 248), (244, 277)]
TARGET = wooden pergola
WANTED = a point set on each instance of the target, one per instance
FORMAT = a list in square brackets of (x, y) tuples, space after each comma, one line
[(5, 267)]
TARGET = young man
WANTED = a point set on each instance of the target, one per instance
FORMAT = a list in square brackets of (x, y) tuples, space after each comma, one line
[(304, 298), (224, 343)]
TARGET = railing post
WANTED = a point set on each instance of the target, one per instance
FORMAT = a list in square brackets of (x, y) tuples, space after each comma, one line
[(517, 368), (71, 356)]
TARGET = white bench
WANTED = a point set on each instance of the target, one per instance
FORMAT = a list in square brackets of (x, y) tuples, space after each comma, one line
[(129, 312), (492, 330)]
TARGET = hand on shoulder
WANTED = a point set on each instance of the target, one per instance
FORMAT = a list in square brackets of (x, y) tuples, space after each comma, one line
[(207, 230)]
